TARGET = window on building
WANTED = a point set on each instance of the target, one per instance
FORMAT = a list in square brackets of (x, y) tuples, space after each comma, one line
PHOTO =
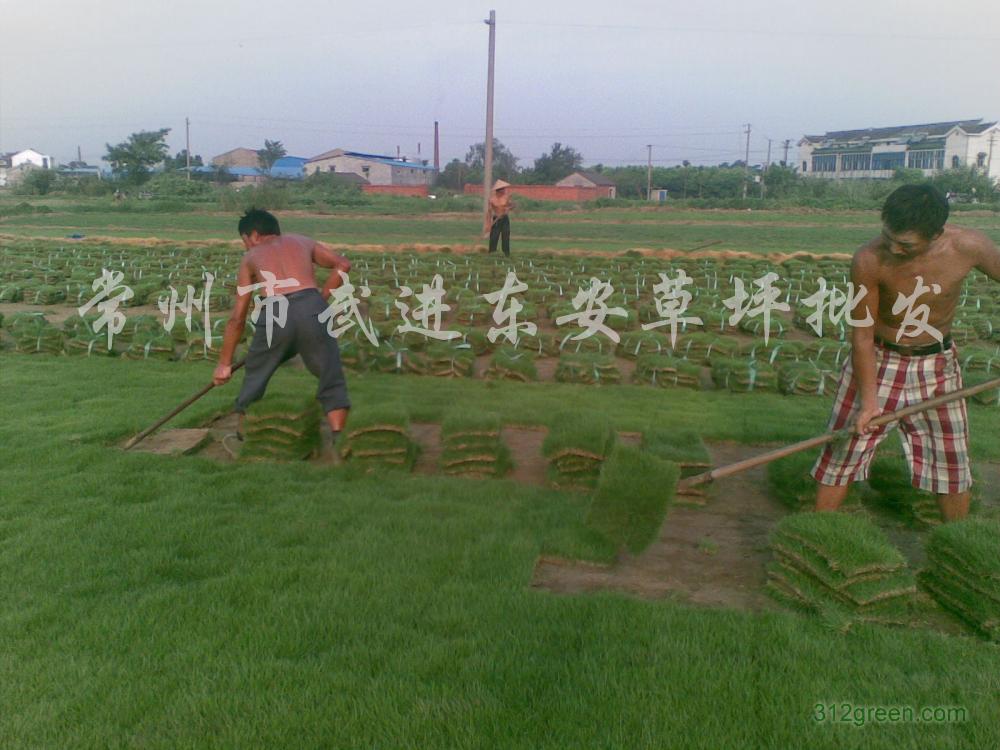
[(805, 166), (925, 159), (955, 162), (365, 170), (981, 159), (894, 160), (825, 163), (332, 168), (855, 162)]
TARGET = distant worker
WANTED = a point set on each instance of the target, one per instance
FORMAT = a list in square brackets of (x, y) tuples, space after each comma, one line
[(281, 265), (499, 216), (916, 254)]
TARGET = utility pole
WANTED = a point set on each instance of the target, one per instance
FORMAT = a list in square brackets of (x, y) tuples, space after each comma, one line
[(437, 149), (187, 147), (488, 146), (788, 142), (989, 157), (746, 164), (649, 172), (767, 165)]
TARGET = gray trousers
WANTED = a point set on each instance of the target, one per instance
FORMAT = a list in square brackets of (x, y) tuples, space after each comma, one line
[(302, 334)]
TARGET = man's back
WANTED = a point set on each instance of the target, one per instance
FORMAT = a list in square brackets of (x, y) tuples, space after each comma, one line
[(286, 256)]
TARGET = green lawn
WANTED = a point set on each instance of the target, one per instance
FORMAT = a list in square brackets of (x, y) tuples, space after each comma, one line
[(156, 602), (595, 229)]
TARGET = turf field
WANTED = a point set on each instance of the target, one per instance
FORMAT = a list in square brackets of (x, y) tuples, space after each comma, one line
[(157, 601)]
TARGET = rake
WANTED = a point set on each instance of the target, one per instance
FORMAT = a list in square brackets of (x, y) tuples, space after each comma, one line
[(815, 442), (177, 410)]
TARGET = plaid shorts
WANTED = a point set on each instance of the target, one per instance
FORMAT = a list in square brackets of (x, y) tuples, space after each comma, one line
[(936, 443)]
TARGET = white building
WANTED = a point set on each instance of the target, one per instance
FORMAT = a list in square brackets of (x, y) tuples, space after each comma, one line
[(878, 152), (375, 168), (30, 156)]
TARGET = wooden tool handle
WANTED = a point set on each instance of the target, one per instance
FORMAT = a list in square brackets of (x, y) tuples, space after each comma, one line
[(159, 423), (766, 458)]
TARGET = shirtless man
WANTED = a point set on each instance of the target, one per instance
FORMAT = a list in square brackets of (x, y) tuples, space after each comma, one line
[(889, 370), (286, 261), (500, 208)]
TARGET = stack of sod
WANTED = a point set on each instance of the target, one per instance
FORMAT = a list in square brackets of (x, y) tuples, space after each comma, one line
[(151, 345), (592, 369), (840, 565), (805, 378), (666, 371), (980, 360), (891, 480), (511, 364), (576, 446), (281, 429), (829, 354), (541, 344), (790, 482), (744, 375), (442, 360), (33, 334), (597, 343), (963, 572), (778, 351), (472, 446), (990, 397), (704, 347), (685, 449), (379, 439), (46, 294), (633, 495), (636, 343)]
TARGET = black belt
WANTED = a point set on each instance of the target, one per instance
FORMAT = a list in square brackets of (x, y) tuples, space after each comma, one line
[(915, 351)]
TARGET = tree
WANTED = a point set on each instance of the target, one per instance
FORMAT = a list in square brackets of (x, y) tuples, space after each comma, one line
[(560, 162), (131, 159), (37, 182), (267, 156), (453, 175), (180, 161), (504, 162)]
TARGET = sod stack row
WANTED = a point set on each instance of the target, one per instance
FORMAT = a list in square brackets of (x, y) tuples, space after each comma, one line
[(472, 446), (842, 567), (576, 446), (378, 439), (963, 572), (281, 429)]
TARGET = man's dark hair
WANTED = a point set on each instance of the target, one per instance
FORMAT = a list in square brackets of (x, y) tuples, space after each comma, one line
[(263, 221), (916, 208)]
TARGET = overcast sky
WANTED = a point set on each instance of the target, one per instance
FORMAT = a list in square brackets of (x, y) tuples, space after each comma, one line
[(604, 77)]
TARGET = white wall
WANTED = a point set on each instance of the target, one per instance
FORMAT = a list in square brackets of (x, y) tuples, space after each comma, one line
[(30, 156)]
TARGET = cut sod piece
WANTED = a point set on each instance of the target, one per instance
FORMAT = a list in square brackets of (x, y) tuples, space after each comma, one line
[(841, 563), (379, 438), (509, 363), (963, 572), (472, 445), (281, 429), (666, 371), (576, 446), (634, 492), (684, 448), (744, 375)]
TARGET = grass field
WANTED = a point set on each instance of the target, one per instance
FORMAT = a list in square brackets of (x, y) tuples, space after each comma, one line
[(163, 602), (594, 230)]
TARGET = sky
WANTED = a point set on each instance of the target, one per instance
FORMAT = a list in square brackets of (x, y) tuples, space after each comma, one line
[(607, 78)]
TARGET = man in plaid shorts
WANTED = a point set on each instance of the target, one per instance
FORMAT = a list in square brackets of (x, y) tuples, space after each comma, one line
[(901, 357)]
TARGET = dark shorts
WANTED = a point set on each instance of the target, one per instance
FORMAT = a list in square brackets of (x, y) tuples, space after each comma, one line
[(302, 334)]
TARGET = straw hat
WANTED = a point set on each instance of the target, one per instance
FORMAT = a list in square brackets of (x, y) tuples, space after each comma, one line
[(500, 184)]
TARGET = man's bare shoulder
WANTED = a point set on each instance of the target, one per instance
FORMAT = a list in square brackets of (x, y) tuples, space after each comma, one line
[(867, 258), (968, 240)]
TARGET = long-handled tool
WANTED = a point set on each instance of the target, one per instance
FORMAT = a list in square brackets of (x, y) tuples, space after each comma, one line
[(160, 422), (766, 458)]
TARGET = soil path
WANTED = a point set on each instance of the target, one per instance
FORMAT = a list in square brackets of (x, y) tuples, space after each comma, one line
[(712, 555)]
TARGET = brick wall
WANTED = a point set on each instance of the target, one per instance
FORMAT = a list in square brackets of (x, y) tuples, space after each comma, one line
[(547, 192), (416, 191)]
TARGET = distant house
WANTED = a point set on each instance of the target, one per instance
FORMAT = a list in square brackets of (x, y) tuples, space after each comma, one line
[(879, 152), (238, 164), (237, 157), (79, 169), (377, 169), (15, 164), (32, 157), (607, 188)]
